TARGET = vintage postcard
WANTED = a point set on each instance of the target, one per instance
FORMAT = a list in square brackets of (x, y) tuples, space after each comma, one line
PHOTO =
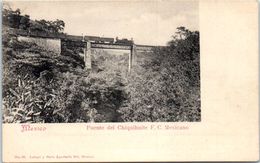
[(121, 80)]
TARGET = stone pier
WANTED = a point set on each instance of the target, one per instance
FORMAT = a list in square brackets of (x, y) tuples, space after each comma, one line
[(87, 55)]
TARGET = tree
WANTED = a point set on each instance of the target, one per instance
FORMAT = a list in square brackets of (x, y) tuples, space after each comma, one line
[(58, 25), (185, 44), (24, 22), (11, 18)]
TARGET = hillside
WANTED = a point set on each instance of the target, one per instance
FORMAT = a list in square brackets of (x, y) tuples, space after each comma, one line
[(41, 86)]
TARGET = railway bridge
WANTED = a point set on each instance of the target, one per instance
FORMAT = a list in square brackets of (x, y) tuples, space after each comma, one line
[(53, 41)]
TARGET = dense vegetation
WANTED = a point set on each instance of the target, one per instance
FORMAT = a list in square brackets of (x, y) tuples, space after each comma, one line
[(41, 86), (165, 84)]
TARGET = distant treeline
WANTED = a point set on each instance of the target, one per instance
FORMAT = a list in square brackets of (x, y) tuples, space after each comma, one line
[(14, 19)]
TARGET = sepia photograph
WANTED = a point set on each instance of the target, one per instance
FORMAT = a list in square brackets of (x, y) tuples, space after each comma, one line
[(100, 61), (130, 80)]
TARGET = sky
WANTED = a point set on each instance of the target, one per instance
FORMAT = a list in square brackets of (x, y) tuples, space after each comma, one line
[(150, 22)]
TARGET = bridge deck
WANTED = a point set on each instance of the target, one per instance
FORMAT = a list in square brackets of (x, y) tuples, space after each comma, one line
[(120, 46), (110, 46)]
